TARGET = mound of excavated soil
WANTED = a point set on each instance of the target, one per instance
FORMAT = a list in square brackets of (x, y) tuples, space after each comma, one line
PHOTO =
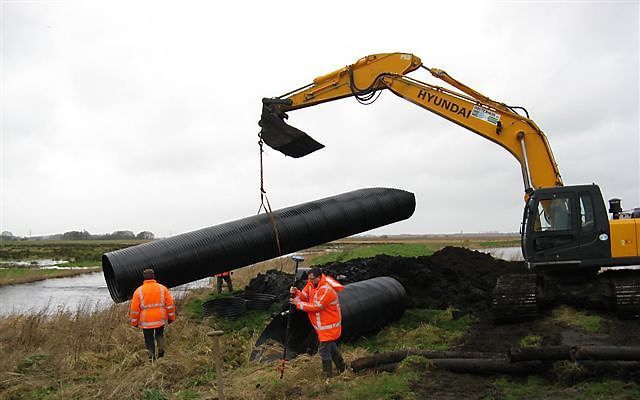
[(453, 276), (272, 282)]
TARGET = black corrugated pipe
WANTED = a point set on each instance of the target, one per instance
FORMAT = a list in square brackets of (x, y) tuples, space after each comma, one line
[(195, 255), (366, 306)]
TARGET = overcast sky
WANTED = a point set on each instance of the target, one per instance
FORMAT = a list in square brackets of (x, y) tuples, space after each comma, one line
[(143, 115)]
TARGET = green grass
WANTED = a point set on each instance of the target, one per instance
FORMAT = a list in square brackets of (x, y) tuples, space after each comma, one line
[(396, 385), (609, 389), (531, 341), (384, 386), (153, 394), (392, 249), (188, 395), (70, 250), (568, 316), (420, 329)]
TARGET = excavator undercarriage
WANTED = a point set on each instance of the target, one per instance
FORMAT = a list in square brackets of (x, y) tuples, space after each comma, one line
[(521, 297)]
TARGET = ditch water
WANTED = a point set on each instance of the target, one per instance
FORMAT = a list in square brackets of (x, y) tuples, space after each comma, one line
[(88, 291), (505, 253)]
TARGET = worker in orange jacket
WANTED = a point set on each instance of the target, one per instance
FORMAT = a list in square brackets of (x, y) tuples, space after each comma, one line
[(151, 308), (224, 276), (319, 299)]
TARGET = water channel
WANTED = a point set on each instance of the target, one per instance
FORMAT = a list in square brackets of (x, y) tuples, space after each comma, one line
[(505, 253), (90, 292)]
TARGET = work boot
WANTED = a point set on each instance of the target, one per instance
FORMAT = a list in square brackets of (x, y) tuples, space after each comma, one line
[(327, 368), (339, 361)]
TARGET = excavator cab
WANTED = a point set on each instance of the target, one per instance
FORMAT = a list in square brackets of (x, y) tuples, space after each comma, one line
[(566, 227)]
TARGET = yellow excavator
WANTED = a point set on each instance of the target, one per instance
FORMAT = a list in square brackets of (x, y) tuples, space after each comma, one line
[(568, 240)]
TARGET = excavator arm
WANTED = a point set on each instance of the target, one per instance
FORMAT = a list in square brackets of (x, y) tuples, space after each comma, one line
[(468, 108)]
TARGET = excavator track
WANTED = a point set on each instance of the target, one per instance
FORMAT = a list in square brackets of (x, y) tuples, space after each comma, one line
[(627, 292), (514, 298)]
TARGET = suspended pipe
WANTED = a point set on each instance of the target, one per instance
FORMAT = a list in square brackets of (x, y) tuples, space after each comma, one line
[(195, 255), (366, 307)]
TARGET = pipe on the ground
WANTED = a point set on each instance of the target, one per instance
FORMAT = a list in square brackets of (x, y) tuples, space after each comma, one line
[(367, 306), (195, 255)]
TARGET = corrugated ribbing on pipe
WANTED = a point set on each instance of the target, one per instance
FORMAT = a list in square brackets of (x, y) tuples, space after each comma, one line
[(194, 255), (367, 306)]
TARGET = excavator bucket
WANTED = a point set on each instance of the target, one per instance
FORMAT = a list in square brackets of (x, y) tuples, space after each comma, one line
[(281, 136)]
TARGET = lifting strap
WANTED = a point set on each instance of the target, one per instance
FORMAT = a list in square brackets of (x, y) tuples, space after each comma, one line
[(264, 202)]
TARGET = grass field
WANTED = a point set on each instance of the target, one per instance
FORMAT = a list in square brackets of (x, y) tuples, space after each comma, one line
[(85, 354), (70, 250)]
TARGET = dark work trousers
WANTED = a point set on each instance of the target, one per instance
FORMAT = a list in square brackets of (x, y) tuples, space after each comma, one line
[(328, 352), (151, 336), (226, 278)]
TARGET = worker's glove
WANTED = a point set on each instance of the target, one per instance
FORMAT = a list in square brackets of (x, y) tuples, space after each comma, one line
[(295, 301), (294, 290)]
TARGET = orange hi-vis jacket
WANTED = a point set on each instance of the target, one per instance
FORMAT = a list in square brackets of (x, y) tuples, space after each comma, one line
[(323, 307), (224, 273), (151, 306)]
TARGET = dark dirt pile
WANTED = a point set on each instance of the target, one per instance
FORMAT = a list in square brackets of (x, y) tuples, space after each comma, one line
[(271, 282), (453, 276)]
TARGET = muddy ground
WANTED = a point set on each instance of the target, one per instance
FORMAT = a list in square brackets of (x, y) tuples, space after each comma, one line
[(463, 279)]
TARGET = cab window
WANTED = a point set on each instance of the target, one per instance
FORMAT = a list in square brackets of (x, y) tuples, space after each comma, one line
[(553, 215), (586, 213)]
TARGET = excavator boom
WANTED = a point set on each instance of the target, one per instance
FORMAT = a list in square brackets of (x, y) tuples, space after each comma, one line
[(364, 79)]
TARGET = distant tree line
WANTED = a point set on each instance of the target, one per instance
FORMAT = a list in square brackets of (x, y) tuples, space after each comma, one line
[(85, 235)]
